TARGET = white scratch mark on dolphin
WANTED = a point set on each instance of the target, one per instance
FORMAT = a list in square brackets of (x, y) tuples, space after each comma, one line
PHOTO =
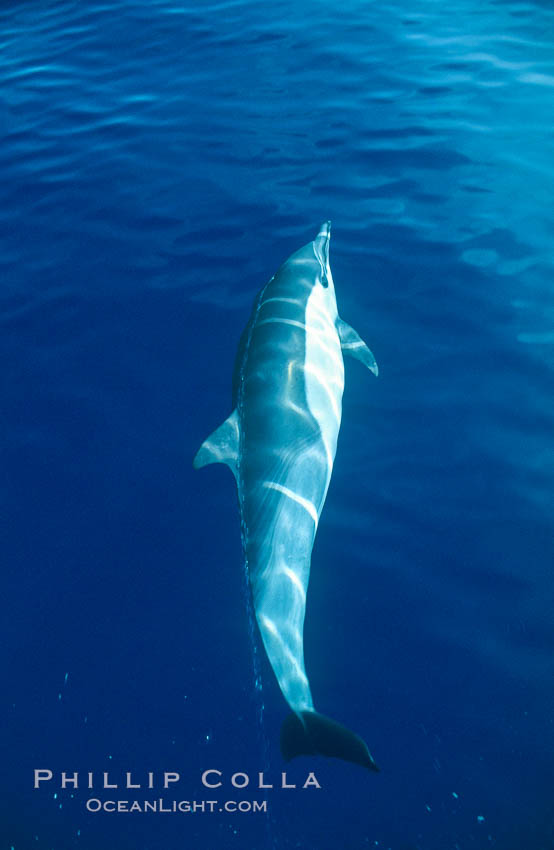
[(274, 321), (268, 624), (290, 574), (305, 503), (281, 299)]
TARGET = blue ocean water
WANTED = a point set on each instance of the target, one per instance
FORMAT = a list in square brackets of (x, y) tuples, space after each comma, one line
[(159, 161)]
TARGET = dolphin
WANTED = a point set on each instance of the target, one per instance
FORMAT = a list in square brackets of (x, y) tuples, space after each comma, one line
[(280, 442)]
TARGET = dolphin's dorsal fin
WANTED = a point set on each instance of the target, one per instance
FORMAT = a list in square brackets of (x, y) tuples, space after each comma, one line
[(353, 344), (222, 446)]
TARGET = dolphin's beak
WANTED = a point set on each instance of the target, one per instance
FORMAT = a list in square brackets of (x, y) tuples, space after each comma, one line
[(321, 248), (325, 230)]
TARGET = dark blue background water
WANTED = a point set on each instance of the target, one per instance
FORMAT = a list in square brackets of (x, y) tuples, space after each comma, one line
[(159, 161)]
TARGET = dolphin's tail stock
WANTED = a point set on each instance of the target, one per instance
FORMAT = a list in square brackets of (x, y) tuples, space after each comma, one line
[(308, 733)]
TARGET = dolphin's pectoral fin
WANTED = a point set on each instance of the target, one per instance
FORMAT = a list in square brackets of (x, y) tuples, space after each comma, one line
[(222, 446), (353, 344), (309, 734)]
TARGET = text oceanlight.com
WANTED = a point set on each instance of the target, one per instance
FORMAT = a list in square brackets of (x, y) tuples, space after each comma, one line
[(175, 806)]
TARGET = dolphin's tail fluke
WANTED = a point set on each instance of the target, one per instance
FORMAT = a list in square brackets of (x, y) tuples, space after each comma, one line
[(308, 733)]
